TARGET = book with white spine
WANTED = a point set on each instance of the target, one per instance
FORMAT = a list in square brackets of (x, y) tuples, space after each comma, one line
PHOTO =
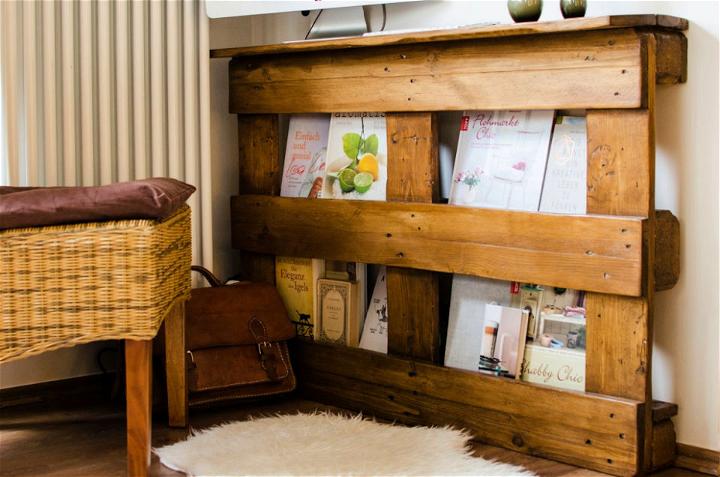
[(565, 187), (374, 336)]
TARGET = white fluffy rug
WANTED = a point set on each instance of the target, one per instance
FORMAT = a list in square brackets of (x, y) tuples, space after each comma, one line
[(326, 444)]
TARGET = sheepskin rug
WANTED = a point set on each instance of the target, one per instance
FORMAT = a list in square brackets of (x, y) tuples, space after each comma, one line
[(325, 444)]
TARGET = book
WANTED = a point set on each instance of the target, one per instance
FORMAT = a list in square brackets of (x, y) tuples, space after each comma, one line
[(354, 272), (565, 187), (356, 164), (466, 326), (508, 343), (500, 160), (304, 165), (336, 311), (295, 279), (530, 300), (375, 335), (560, 368)]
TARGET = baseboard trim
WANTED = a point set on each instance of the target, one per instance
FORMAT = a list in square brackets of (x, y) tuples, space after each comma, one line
[(698, 459)]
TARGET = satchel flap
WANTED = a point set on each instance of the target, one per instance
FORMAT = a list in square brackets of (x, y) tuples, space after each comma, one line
[(231, 366), (219, 316)]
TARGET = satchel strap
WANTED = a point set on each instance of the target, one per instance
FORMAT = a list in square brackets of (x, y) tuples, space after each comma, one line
[(212, 279), (268, 356)]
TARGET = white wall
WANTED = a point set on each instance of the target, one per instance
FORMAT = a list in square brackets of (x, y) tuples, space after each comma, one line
[(685, 369)]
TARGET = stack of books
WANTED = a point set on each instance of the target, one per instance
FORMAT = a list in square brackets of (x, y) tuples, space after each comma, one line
[(338, 156)]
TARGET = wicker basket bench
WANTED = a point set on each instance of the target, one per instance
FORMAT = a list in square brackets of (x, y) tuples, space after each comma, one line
[(61, 286)]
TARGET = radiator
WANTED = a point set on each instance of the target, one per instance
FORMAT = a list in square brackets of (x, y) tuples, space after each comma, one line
[(95, 92)]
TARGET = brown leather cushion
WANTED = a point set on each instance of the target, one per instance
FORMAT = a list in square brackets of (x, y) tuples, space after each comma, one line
[(154, 198)]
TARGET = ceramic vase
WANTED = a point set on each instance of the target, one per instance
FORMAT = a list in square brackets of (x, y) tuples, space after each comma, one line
[(573, 8), (525, 10)]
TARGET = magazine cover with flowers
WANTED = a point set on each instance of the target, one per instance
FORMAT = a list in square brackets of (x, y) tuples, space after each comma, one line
[(501, 158)]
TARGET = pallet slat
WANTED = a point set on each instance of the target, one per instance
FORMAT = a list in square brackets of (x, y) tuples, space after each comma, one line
[(471, 33), (260, 172), (413, 295), (497, 73), (589, 430), (584, 252)]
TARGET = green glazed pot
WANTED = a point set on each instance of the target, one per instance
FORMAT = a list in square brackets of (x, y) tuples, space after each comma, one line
[(525, 10), (573, 8)]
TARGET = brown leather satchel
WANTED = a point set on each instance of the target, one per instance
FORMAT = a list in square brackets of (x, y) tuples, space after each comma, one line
[(236, 340)]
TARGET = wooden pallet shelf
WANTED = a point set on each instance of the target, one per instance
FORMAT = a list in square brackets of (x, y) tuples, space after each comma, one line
[(621, 252), (601, 431), (595, 253)]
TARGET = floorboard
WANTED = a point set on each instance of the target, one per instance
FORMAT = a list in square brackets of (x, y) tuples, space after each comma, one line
[(80, 439)]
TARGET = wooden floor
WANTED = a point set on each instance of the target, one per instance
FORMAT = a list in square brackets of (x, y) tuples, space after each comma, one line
[(81, 439)]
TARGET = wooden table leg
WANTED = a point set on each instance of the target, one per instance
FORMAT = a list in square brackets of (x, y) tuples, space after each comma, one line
[(175, 366), (138, 370)]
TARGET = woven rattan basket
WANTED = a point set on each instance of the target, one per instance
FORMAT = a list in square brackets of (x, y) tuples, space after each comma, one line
[(65, 285)]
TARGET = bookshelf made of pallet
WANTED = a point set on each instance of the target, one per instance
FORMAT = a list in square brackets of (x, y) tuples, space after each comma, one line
[(606, 66)]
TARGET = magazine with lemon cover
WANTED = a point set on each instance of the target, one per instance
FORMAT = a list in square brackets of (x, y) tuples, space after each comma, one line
[(356, 164), (500, 160), (304, 166)]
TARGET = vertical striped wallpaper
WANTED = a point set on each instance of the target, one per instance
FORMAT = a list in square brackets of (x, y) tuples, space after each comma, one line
[(101, 91)]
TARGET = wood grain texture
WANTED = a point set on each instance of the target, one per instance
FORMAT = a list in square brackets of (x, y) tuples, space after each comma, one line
[(260, 173), (535, 436), (473, 33), (413, 157), (497, 73), (667, 250), (594, 431), (698, 459), (663, 444), (413, 295), (138, 365), (600, 254), (663, 411), (671, 57), (413, 314), (177, 390), (621, 180)]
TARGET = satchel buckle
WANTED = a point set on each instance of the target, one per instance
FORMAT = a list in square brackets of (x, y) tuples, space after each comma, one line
[(263, 344)]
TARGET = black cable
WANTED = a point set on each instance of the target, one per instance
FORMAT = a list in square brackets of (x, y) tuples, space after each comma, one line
[(384, 9), (313, 24)]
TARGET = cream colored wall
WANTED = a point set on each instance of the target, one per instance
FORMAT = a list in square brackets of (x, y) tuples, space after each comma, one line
[(686, 323)]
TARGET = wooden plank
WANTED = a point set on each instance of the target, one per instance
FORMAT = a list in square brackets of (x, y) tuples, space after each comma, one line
[(706, 461), (584, 410), (501, 73), (671, 57), (413, 295), (621, 180), (454, 34), (536, 435), (601, 254), (667, 250), (138, 384), (413, 155), (260, 173), (413, 314), (176, 376)]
